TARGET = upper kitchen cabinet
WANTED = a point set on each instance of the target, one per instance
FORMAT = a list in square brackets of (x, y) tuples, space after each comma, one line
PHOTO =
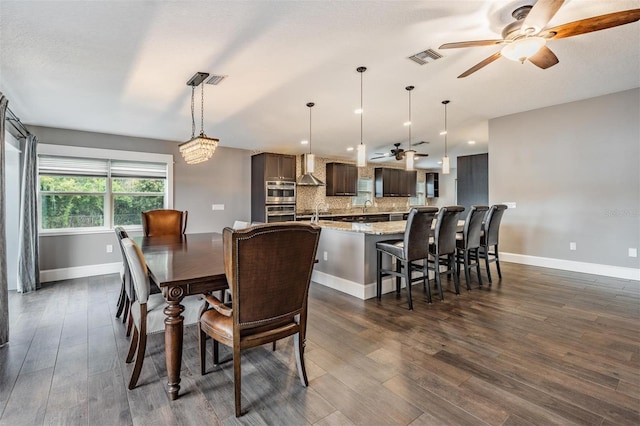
[(342, 179), (276, 166), (395, 182)]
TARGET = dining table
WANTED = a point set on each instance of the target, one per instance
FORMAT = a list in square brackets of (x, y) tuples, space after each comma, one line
[(182, 265)]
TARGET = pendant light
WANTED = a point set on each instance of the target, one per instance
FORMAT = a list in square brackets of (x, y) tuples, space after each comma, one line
[(445, 159), (199, 148), (362, 149), (310, 159), (410, 154), (308, 162)]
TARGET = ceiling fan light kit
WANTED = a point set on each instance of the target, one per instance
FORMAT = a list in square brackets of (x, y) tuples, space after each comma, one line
[(523, 48), (199, 148), (526, 37), (361, 159)]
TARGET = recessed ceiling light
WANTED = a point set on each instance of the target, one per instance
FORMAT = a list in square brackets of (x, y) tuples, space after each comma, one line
[(444, 132), (350, 148), (358, 111), (304, 142), (407, 123), (471, 142)]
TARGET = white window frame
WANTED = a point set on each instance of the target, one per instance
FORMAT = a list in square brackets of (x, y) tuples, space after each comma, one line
[(421, 191), (363, 196), (104, 154)]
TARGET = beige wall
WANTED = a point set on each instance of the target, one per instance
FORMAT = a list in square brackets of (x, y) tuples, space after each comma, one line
[(574, 172)]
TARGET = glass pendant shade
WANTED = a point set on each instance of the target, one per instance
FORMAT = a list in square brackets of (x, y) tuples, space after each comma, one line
[(198, 149), (522, 49), (310, 162), (410, 159), (445, 166), (362, 155)]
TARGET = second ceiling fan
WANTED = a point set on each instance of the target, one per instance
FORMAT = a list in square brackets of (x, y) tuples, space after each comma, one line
[(526, 38)]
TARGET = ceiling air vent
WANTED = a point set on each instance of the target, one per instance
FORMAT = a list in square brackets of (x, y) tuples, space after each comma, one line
[(216, 79), (425, 57)]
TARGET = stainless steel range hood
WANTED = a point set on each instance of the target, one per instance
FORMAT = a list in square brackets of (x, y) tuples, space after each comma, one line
[(307, 179)]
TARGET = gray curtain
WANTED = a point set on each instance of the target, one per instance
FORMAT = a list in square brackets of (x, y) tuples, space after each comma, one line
[(28, 261), (4, 293)]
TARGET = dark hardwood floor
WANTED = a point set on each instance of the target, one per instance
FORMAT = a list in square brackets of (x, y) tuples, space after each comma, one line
[(541, 347)]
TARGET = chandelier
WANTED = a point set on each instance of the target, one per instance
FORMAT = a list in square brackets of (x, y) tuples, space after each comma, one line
[(199, 148)]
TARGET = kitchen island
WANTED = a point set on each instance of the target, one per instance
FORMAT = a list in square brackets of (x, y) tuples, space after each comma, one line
[(347, 256)]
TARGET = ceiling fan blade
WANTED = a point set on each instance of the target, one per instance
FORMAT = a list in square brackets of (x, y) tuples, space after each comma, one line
[(596, 23), (474, 43), (540, 15), (544, 58), (479, 65), (420, 143), (377, 158)]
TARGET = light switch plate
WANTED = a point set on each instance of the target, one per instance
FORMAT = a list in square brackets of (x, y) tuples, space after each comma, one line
[(510, 204), (633, 252), (217, 207)]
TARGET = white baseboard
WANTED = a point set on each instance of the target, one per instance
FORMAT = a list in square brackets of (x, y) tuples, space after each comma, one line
[(79, 272), (570, 265)]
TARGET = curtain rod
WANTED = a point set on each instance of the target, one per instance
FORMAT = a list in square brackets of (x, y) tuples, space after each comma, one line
[(17, 125)]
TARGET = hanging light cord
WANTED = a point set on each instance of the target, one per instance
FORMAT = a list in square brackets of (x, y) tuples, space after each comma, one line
[(202, 110), (193, 120), (361, 110), (410, 123), (309, 130)]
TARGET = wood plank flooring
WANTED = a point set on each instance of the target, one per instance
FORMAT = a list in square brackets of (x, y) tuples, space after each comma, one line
[(541, 347)]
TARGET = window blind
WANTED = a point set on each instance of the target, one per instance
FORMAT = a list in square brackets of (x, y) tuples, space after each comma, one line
[(54, 165), (138, 169)]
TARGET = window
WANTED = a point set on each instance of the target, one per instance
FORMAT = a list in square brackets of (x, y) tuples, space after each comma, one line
[(82, 193), (365, 192), (419, 199)]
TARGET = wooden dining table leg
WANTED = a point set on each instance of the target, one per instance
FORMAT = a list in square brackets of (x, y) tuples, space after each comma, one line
[(173, 335)]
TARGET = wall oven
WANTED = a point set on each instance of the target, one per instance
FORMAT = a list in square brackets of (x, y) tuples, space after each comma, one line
[(280, 213), (280, 192)]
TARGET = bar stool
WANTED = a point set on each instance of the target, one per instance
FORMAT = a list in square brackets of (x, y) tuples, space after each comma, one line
[(468, 241), (490, 237), (413, 247), (443, 243)]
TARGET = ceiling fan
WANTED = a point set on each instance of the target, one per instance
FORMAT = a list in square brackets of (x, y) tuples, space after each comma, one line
[(526, 38), (398, 152)]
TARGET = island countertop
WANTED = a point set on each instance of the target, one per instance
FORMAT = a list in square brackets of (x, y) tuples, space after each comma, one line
[(374, 228)]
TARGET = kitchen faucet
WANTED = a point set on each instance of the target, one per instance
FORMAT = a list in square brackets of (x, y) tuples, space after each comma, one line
[(364, 208), (316, 217)]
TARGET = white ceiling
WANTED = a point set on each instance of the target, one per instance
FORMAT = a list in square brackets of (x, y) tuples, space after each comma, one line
[(121, 67)]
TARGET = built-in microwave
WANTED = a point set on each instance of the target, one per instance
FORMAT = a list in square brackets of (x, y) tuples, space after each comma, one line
[(280, 192), (280, 213)]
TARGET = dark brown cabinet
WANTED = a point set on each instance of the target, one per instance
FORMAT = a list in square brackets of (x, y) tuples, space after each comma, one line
[(278, 166), (395, 182), (432, 185), (342, 180)]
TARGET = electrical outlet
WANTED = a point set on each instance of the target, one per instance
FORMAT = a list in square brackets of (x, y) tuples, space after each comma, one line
[(217, 207), (633, 252), (109, 248), (326, 256), (572, 246)]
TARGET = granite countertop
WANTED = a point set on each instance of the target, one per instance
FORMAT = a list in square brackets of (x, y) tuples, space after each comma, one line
[(348, 212), (375, 228)]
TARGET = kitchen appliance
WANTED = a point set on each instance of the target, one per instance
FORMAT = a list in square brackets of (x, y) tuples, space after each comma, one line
[(280, 192), (280, 213)]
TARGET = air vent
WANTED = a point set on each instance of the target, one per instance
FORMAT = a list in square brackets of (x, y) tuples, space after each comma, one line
[(425, 57), (216, 79)]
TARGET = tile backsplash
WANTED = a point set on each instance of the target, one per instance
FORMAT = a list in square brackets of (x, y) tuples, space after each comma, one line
[(309, 196)]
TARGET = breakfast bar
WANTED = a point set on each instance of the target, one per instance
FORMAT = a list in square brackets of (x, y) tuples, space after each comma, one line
[(347, 255)]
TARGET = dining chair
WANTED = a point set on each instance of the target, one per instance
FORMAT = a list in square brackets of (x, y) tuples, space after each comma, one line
[(123, 300), (164, 222), (412, 247), (468, 243), (443, 243), (147, 311), (490, 236), (268, 268)]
